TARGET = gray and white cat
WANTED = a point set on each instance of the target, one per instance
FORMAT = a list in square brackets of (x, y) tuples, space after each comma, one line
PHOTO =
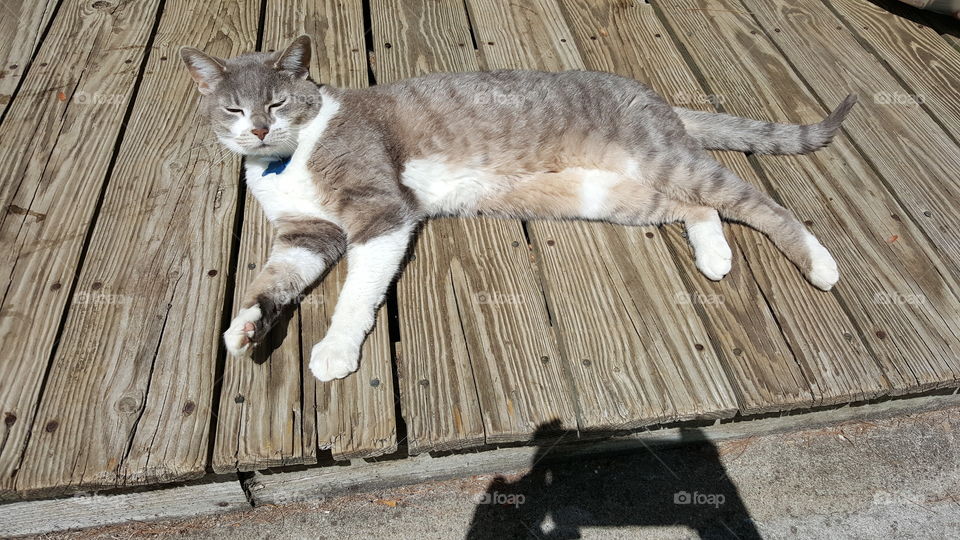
[(365, 166)]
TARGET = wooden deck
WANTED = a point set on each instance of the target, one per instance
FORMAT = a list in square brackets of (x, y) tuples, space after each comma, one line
[(127, 235)]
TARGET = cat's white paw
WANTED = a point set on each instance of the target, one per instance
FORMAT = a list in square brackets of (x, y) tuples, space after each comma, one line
[(715, 260), (239, 336), (710, 248), (334, 358), (823, 272)]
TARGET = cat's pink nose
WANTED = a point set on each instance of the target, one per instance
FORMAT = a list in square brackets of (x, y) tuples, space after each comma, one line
[(260, 132)]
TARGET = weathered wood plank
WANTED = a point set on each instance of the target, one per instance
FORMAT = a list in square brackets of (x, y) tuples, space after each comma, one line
[(602, 281), (894, 285), (355, 416), (438, 394), (474, 278), (97, 510), (916, 53), (22, 23), (768, 372), (129, 393), (53, 171), (259, 422)]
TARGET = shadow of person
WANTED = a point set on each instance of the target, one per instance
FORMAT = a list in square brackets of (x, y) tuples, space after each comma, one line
[(681, 488)]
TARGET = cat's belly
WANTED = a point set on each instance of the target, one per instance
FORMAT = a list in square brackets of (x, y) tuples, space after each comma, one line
[(446, 189)]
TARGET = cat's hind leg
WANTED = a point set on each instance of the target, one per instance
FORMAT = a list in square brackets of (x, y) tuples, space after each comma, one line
[(705, 234), (702, 180), (632, 202)]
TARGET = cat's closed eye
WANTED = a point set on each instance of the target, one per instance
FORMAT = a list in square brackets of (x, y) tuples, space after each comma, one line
[(276, 104), (232, 110)]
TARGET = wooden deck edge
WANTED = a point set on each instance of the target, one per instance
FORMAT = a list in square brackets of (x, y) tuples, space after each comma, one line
[(314, 483), (222, 494), (91, 509)]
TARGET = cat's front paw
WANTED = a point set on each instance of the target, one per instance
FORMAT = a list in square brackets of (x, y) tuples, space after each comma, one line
[(239, 336), (334, 358)]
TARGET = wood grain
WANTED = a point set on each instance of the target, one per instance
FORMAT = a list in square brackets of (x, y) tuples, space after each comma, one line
[(98, 510), (129, 393), (22, 23), (53, 171), (769, 372), (603, 281), (476, 340), (917, 54), (912, 153), (894, 284)]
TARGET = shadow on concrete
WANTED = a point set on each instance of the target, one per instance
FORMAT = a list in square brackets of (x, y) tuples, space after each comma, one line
[(684, 487)]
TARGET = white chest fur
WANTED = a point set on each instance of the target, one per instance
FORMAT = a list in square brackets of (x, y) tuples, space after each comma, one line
[(293, 192)]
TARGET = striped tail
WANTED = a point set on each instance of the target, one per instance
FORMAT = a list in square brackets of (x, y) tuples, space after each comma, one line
[(717, 131)]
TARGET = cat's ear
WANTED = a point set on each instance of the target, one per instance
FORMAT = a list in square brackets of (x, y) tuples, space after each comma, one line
[(296, 59), (206, 70)]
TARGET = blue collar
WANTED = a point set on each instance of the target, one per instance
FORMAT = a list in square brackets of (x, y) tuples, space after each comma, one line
[(277, 166)]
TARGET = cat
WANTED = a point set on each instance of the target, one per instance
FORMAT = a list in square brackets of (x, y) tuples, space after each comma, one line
[(353, 172)]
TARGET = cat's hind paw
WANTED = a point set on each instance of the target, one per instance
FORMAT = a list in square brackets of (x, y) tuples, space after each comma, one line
[(823, 272), (715, 260), (333, 359), (239, 336), (710, 248)]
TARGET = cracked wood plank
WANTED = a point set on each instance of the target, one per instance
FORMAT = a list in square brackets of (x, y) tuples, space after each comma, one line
[(129, 392), (22, 23)]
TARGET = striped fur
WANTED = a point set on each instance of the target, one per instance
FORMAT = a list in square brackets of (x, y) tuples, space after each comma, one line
[(724, 132)]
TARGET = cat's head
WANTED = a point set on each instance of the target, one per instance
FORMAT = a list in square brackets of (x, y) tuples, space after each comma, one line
[(258, 102)]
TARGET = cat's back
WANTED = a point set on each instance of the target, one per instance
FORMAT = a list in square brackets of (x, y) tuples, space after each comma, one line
[(481, 114), (493, 93)]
